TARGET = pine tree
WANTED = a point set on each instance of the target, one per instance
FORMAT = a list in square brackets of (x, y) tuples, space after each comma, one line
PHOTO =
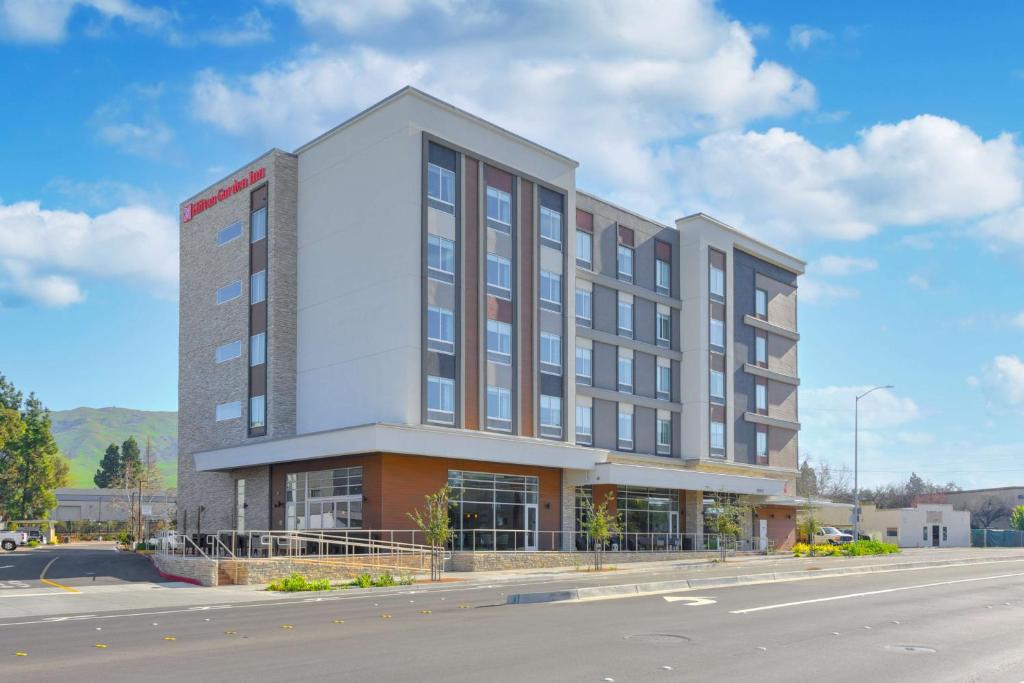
[(109, 474), (131, 460)]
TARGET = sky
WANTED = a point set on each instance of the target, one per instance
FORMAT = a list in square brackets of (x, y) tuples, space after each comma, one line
[(880, 142)]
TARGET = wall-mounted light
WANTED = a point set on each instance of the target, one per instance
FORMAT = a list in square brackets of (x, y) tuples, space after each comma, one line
[(278, 504), (547, 505)]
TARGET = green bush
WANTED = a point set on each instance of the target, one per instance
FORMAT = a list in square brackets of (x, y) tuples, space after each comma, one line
[(297, 582), (385, 580), (33, 543), (857, 549), (364, 581)]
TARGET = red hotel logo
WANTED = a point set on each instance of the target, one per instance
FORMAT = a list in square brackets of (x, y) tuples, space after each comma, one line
[(197, 207)]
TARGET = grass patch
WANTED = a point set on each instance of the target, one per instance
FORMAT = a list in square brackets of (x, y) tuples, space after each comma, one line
[(384, 580), (296, 582)]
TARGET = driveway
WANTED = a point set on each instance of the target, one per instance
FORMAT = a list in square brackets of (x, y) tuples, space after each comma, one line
[(63, 567)]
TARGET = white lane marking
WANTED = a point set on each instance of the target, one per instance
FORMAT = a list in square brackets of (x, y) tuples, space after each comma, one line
[(878, 592), (7, 566), (35, 595), (693, 602)]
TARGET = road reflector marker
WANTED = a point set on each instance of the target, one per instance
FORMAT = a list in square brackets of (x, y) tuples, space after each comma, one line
[(338, 621), (287, 626), (169, 638), (21, 654), (385, 616), (230, 633), (101, 646), (463, 606), (425, 611)]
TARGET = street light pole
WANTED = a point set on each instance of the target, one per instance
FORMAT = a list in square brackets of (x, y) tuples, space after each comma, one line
[(856, 472)]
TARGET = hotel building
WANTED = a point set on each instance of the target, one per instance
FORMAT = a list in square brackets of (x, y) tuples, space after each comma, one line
[(420, 297)]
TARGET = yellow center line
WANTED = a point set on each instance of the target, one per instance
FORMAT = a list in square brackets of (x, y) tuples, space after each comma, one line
[(43, 579)]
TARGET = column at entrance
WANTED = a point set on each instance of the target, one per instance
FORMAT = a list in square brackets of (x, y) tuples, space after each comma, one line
[(694, 517)]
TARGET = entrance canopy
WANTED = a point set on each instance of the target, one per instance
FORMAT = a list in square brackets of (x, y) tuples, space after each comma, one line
[(676, 478)]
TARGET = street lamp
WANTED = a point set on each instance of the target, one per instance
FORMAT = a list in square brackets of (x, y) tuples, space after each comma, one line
[(856, 485)]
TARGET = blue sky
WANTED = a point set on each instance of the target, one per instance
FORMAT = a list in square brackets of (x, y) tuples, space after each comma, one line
[(878, 141)]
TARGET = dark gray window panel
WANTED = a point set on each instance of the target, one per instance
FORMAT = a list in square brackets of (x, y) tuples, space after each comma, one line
[(606, 247), (677, 435), (551, 385), (676, 388), (643, 261), (440, 364), (552, 200), (644, 380), (606, 309), (606, 366), (606, 424), (643, 320), (645, 439), (442, 156), (676, 327)]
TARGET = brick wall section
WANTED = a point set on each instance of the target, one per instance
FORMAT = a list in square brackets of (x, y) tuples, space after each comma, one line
[(471, 295)]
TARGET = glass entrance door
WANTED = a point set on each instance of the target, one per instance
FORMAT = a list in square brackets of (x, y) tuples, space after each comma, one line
[(531, 527)]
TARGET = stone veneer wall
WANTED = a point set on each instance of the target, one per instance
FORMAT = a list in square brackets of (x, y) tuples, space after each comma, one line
[(201, 569), (258, 571), (496, 561)]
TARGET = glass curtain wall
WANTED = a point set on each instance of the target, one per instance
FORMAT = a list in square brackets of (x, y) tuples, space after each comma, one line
[(493, 511), (327, 499), (650, 517)]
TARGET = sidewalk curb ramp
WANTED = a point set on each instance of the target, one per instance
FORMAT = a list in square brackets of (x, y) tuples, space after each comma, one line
[(656, 587)]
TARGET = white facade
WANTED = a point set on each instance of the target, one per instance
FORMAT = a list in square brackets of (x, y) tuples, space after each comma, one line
[(924, 526)]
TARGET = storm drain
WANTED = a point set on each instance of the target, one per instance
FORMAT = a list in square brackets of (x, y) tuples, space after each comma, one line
[(656, 638), (911, 649)]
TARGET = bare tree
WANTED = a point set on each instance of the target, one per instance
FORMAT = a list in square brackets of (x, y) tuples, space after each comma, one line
[(986, 511)]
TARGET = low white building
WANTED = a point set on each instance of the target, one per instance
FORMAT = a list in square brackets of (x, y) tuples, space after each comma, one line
[(924, 526)]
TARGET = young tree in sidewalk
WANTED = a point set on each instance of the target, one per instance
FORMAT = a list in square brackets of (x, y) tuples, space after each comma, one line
[(601, 525), (728, 522), (110, 471), (1017, 518), (435, 524)]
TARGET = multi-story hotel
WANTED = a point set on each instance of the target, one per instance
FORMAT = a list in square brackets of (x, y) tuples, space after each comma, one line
[(420, 297)]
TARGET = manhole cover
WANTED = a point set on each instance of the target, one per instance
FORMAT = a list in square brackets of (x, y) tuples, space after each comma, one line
[(911, 649), (657, 638)]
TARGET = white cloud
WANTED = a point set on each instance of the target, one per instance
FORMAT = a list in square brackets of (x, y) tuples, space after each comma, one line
[(132, 122), (818, 287), (815, 291), (137, 139), (252, 28), (1004, 378), (46, 21), (353, 15), (44, 253), (832, 408), (1003, 231), (1017, 320), (840, 266), (919, 282), (801, 36)]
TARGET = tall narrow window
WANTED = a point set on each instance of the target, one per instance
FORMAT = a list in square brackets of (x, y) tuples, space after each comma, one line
[(761, 396), (499, 276), (257, 412), (441, 258), (550, 290), (716, 282), (551, 225), (664, 442), (584, 365), (499, 408), (258, 224), (761, 349), (625, 318), (499, 342), (258, 349), (664, 382), (717, 435), (499, 209), (625, 431), (584, 249), (717, 385), (584, 302), (625, 263), (717, 333), (761, 303), (662, 276), (258, 287), (762, 445), (440, 400), (626, 374), (550, 415), (440, 329), (441, 188), (584, 425), (663, 329), (550, 353)]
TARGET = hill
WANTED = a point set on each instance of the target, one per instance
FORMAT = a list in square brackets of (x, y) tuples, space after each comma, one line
[(84, 433)]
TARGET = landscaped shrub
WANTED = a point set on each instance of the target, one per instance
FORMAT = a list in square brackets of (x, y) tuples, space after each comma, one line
[(33, 543), (364, 581), (847, 549), (385, 580), (297, 582)]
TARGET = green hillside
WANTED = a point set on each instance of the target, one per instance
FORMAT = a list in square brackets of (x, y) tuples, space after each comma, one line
[(84, 433)]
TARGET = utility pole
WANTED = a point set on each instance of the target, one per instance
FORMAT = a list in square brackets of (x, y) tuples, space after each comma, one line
[(856, 481)]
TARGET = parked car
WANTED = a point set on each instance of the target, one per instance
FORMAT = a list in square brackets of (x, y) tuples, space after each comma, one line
[(10, 540), (830, 534), (36, 535), (164, 540)]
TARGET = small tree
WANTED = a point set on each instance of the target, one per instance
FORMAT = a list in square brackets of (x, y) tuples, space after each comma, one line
[(436, 526), (728, 522), (1017, 518), (600, 525)]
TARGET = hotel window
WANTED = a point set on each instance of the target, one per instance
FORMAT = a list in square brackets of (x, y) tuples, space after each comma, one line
[(440, 330), (717, 385), (229, 351), (551, 225), (229, 292), (441, 188), (584, 305), (717, 333), (493, 511), (258, 287), (233, 231), (762, 445), (499, 342), (761, 349), (625, 263), (258, 349), (327, 499), (761, 303), (716, 283), (229, 411), (662, 276), (584, 425), (584, 365), (550, 415), (257, 412), (625, 431), (663, 381), (717, 435), (499, 209), (663, 331), (664, 444), (550, 290), (499, 408), (258, 224), (499, 276), (550, 353), (625, 318), (761, 396), (440, 399), (440, 258), (584, 249), (626, 374)]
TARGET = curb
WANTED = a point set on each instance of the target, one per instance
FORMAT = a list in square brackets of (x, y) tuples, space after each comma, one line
[(653, 588)]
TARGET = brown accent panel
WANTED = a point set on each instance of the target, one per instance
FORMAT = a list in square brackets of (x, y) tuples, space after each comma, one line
[(497, 178), (259, 198), (584, 220), (526, 301), (716, 258), (601, 493), (663, 251), (717, 361), (717, 413), (258, 380), (718, 311), (781, 525), (258, 318), (258, 256), (499, 309), (471, 296), (626, 236)]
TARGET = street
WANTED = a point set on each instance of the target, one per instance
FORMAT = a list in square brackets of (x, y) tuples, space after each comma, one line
[(951, 623)]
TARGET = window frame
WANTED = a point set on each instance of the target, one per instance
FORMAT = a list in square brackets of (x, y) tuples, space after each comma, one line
[(498, 355), (588, 296), (662, 392), (258, 287), (761, 446), (659, 319), (761, 350), (443, 244), (761, 303), (441, 415), (236, 234), (502, 265), (622, 331), (438, 202), (621, 443), (439, 344), (223, 288), (550, 214), (587, 379), (717, 450), (586, 438), (761, 397), (220, 406), (502, 198), (552, 278), (587, 262), (260, 400), (661, 447), (718, 398), (714, 325), (503, 397), (262, 336), (553, 430), (622, 386), (236, 343), (550, 341), (716, 275), (659, 266), (627, 251)]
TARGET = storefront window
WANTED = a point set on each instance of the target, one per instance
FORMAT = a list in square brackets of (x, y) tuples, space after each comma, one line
[(326, 499), (647, 510), (493, 511)]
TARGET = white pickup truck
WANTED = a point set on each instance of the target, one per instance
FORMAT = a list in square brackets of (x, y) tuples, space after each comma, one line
[(10, 540)]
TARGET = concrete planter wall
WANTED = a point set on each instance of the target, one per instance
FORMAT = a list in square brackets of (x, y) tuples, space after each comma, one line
[(493, 561)]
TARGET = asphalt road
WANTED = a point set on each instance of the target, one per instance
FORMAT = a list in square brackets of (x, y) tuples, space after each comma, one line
[(945, 624), (89, 564)]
